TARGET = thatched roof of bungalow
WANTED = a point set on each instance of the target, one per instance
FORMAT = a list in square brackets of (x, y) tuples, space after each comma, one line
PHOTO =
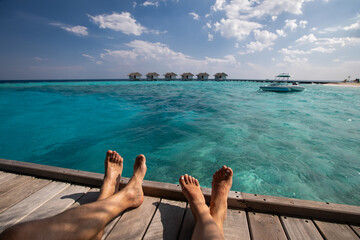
[(220, 74), (203, 74), (187, 74), (135, 74), (152, 74), (170, 74)]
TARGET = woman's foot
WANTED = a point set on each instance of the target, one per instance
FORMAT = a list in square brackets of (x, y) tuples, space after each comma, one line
[(113, 170), (191, 188), (221, 184)]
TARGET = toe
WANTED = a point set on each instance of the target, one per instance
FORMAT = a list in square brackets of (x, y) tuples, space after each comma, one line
[(197, 182), (191, 180), (140, 157), (182, 181), (108, 153), (186, 177)]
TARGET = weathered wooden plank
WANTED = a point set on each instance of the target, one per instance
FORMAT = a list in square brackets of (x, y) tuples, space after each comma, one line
[(55, 173), (188, 225), (21, 192), (17, 212), (13, 183), (133, 223), (265, 226), (300, 228), (167, 220), (58, 203), (236, 226), (333, 231), (255, 202), (297, 207), (91, 196), (6, 176), (356, 228)]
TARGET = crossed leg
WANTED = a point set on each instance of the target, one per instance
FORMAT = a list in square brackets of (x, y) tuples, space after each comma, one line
[(209, 222), (89, 220)]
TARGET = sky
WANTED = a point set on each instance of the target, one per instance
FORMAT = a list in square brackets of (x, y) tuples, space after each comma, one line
[(248, 39)]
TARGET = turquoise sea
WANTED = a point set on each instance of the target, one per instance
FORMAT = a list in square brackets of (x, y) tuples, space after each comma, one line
[(302, 145)]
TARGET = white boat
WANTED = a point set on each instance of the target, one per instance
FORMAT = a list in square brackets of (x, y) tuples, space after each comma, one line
[(281, 84)]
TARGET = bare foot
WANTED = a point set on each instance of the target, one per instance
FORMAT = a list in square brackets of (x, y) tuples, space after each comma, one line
[(221, 184), (133, 190), (191, 188), (113, 170)]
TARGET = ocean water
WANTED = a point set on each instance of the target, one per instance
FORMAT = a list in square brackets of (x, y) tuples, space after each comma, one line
[(302, 145)]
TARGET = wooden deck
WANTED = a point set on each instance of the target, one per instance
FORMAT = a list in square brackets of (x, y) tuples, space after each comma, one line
[(30, 191)]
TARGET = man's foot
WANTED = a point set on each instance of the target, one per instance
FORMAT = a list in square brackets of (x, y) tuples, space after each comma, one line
[(113, 170), (133, 190), (221, 184), (191, 188)]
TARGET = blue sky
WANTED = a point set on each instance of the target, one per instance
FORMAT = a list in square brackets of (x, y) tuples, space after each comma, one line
[(311, 39)]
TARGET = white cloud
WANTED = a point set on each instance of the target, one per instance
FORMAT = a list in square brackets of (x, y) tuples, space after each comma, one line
[(306, 39), (150, 3), (281, 32), (40, 59), (145, 54), (274, 18), (77, 30), (248, 9), (290, 24), (219, 5), (352, 26), (88, 56), (208, 24), (328, 42), (264, 40), (210, 37), (122, 22), (303, 23), (134, 4), (194, 15), (235, 28), (293, 52), (295, 60), (322, 50)]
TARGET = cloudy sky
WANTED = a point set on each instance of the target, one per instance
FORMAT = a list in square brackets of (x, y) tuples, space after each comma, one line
[(311, 39)]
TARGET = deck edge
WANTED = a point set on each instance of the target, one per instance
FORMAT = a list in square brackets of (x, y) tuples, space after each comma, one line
[(236, 199)]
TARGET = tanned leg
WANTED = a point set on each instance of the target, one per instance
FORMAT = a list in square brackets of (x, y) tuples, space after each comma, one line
[(113, 170), (205, 227), (221, 184), (86, 221)]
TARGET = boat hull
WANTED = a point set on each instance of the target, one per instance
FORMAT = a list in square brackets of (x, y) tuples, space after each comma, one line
[(282, 88)]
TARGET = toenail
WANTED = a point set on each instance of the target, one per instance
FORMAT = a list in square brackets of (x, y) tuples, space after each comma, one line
[(182, 178), (228, 171)]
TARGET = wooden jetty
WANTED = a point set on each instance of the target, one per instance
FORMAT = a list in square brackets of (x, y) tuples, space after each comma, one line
[(31, 191)]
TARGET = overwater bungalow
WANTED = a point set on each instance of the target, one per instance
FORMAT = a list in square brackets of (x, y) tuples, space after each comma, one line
[(170, 76), (220, 76), (153, 76), (202, 76), (134, 76), (187, 76)]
